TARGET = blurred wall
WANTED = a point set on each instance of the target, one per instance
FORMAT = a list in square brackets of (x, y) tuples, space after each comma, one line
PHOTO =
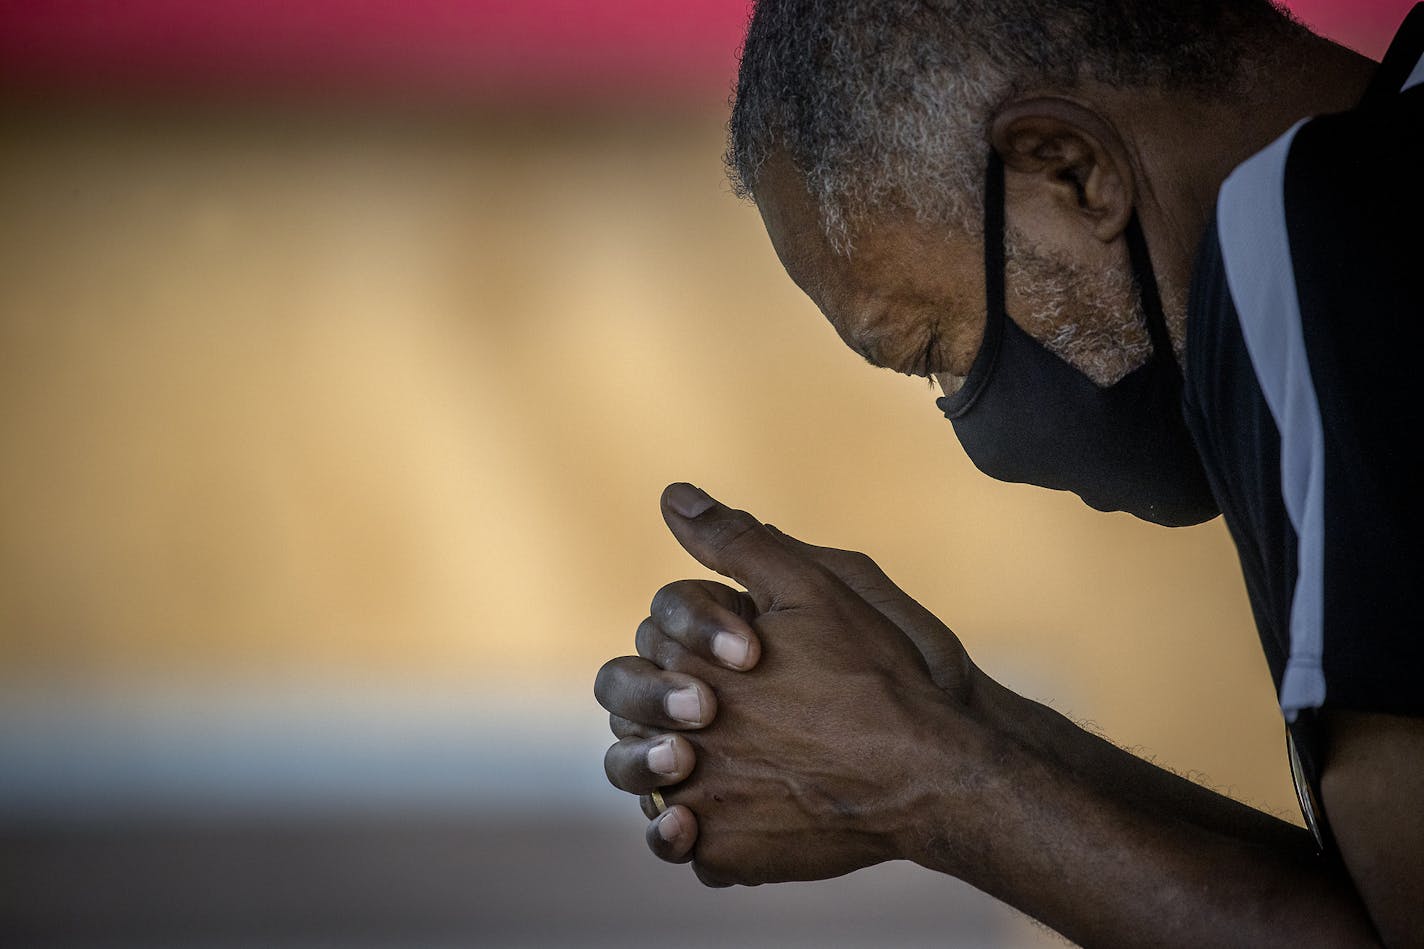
[(305, 397), (372, 405)]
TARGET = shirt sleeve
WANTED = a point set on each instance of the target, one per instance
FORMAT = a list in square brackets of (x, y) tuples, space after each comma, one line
[(1354, 215)]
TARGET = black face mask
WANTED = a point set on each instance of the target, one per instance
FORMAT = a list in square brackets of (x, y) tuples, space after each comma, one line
[(1026, 415)]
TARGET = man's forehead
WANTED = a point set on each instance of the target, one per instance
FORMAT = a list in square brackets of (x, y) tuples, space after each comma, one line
[(884, 248), (826, 276), (793, 222)]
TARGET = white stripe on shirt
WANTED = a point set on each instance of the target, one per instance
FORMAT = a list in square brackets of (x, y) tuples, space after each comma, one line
[(1255, 248), (1416, 77)]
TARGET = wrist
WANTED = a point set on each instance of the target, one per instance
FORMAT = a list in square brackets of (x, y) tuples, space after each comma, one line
[(1000, 710), (974, 748), (937, 813)]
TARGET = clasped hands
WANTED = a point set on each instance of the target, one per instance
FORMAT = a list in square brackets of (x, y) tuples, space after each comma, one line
[(791, 726)]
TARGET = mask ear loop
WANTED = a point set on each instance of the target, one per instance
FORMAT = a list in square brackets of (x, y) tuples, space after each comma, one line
[(995, 312), (1149, 297)]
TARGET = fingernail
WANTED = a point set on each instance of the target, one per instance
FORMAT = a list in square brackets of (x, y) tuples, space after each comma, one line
[(685, 705), (669, 826), (662, 759), (731, 649), (688, 500)]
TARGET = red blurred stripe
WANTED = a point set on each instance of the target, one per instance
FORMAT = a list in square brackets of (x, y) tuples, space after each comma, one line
[(462, 48), (446, 47), (1363, 25)]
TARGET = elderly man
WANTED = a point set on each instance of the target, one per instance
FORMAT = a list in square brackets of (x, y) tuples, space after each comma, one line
[(1194, 298)]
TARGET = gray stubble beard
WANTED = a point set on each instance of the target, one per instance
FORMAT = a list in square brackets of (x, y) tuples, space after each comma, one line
[(1091, 318)]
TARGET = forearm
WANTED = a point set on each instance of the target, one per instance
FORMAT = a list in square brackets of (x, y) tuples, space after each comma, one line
[(1110, 869), (1119, 774)]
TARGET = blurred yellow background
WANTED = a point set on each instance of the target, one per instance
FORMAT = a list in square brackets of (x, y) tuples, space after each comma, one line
[(351, 426), (341, 368), (342, 397)]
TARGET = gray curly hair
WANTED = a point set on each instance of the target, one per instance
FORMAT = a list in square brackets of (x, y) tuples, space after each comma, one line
[(886, 102)]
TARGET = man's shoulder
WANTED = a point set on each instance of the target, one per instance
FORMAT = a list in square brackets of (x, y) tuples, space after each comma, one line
[(1343, 183), (1333, 206), (1357, 174)]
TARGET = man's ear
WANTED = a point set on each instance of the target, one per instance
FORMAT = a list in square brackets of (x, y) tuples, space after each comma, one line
[(1076, 156)]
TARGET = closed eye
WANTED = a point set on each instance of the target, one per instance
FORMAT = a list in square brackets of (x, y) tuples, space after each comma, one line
[(929, 363)]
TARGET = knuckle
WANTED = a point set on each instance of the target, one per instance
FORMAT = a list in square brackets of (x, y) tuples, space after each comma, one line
[(855, 567), (606, 681), (610, 763), (861, 561), (659, 599), (672, 657), (666, 600), (647, 702), (623, 728), (735, 530), (646, 639), (626, 686), (672, 606), (659, 648), (851, 562), (706, 877)]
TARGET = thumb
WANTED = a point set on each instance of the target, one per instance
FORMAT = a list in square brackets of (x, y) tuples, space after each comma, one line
[(737, 545)]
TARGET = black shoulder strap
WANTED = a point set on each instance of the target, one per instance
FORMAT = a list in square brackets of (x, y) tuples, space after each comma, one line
[(1400, 60)]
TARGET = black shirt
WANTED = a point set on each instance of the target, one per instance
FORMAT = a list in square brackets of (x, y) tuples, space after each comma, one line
[(1304, 390)]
